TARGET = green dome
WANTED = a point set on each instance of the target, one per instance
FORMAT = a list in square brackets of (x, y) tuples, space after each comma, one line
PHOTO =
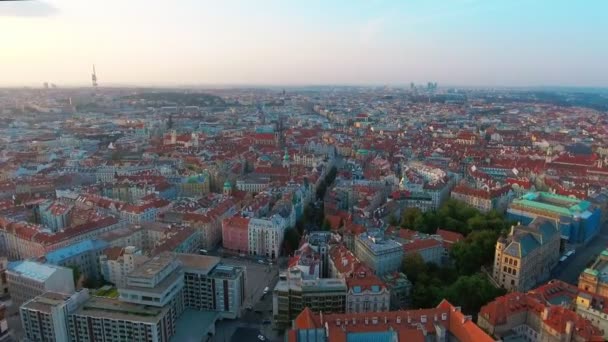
[(286, 156)]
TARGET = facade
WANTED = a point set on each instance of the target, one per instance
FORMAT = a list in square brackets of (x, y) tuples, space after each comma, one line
[(84, 255), (28, 279), (526, 256), (3, 277), (366, 293), (104, 320), (578, 221), (209, 285), (431, 250), (44, 318), (380, 254), (266, 236), (292, 294), (483, 199), (525, 316), (400, 288), (442, 323), (116, 262), (595, 278), (235, 234)]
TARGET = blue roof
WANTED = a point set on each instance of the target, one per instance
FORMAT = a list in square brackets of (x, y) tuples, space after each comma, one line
[(357, 289), (32, 269), (59, 255), (375, 336)]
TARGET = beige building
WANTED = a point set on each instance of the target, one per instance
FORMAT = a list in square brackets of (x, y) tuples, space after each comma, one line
[(366, 293), (595, 278), (292, 294), (526, 256)]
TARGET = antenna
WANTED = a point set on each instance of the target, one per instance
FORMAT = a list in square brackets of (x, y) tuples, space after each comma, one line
[(94, 77)]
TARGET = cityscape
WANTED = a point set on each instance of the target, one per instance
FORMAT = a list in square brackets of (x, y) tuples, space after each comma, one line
[(246, 209)]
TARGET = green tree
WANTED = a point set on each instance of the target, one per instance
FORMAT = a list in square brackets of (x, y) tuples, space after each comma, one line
[(472, 292), (476, 250), (409, 217), (413, 266), (393, 221)]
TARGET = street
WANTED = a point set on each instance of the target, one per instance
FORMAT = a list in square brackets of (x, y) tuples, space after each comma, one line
[(570, 269)]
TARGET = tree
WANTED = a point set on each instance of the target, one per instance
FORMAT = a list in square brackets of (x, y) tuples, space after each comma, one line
[(476, 250), (410, 216), (291, 241), (472, 292), (413, 266), (393, 221)]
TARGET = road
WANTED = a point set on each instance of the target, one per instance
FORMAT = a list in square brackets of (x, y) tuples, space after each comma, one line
[(258, 276), (569, 270)]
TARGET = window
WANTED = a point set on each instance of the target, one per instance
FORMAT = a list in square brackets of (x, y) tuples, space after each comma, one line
[(515, 262)]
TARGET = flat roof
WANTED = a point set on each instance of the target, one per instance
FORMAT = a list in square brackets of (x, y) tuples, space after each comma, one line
[(193, 325), (32, 269), (154, 265), (160, 287), (197, 263), (46, 301), (101, 307)]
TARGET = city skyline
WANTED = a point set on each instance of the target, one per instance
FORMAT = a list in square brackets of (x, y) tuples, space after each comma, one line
[(459, 43)]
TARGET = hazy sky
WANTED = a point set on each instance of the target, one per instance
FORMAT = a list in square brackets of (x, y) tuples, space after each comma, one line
[(174, 42)]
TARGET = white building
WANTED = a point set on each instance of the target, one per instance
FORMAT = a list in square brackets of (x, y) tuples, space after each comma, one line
[(45, 317), (266, 236), (116, 262)]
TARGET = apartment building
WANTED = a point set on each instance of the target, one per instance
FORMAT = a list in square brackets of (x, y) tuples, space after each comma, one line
[(527, 255), (44, 318), (116, 263), (266, 236), (28, 279), (380, 254), (209, 285), (84, 255), (292, 294)]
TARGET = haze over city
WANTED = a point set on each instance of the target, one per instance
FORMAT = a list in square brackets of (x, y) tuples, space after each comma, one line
[(375, 42)]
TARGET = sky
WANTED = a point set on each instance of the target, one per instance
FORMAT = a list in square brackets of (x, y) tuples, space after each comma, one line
[(305, 42)]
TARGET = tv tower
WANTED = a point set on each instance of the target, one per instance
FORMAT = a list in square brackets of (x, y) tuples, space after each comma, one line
[(94, 78)]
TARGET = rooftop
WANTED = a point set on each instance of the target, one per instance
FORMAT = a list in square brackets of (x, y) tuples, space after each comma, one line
[(101, 307), (197, 263), (150, 268), (46, 301), (32, 269), (59, 255)]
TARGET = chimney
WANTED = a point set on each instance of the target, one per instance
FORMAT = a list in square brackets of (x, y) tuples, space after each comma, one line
[(545, 314), (569, 329)]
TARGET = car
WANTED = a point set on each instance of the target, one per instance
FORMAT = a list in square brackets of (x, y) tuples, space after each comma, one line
[(242, 255), (562, 259), (266, 321), (249, 307), (202, 251), (261, 262), (570, 253), (266, 290), (261, 337)]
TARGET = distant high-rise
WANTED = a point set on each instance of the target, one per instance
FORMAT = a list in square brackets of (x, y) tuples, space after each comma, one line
[(94, 77)]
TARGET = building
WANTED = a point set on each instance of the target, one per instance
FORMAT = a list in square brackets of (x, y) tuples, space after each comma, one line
[(527, 255), (378, 253), (84, 255), (595, 278), (45, 317), (266, 236), (525, 316), (209, 285), (28, 279), (366, 292), (431, 250), (116, 262), (3, 277), (235, 234), (55, 215), (4, 331), (443, 323), (483, 199), (400, 288), (578, 221), (292, 294), (342, 262), (105, 319)]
